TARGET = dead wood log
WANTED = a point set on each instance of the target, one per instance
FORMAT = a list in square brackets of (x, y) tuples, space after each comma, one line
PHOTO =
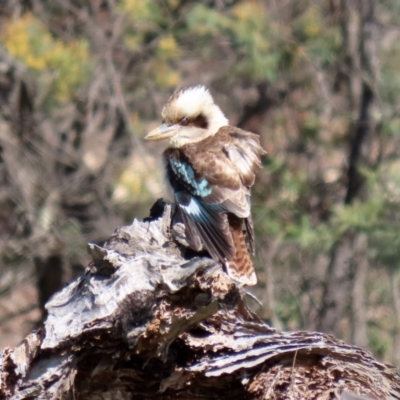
[(150, 319)]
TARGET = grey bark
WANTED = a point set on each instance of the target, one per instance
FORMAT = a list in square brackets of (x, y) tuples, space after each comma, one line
[(150, 318)]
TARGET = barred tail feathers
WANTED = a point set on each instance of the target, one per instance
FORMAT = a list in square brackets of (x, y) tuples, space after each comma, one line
[(240, 269)]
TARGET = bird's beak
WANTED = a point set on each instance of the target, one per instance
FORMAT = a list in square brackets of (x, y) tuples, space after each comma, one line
[(164, 131)]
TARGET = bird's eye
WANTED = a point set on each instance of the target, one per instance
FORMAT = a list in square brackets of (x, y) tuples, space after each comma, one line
[(163, 121), (184, 121)]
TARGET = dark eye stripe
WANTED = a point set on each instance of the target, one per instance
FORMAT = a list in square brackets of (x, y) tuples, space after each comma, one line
[(200, 121)]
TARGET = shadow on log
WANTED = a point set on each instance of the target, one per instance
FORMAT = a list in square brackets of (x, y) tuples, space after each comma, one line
[(150, 319)]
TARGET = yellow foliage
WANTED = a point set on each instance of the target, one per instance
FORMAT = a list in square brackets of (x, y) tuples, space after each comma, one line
[(138, 9), (15, 37), (167, 46), (140, 180), (144, 17), (311, 21), (28, 40), (132, 41), (166, 76), (173, 3), (250, 11)]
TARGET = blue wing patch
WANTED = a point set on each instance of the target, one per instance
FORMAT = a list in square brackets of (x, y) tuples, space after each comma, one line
[(186, 173), (194, 209), (207, 222)]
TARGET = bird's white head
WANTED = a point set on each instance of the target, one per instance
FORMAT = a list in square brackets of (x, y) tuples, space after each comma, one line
[(189, 116)]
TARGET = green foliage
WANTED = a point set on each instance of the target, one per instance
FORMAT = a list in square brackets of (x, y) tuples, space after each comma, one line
[(68, 64), (249, 31), (288, 310), (145, 20), (148, 22), (320, 40), (359, 216), (384, 220), (390, 73), (147, 14)]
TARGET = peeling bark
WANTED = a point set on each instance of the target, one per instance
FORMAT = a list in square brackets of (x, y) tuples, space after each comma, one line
[(150, 318)]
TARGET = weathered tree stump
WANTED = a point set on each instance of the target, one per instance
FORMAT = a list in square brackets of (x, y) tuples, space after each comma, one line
[(151, 319)]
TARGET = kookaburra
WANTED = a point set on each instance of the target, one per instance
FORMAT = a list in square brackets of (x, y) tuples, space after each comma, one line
[(211, 166)]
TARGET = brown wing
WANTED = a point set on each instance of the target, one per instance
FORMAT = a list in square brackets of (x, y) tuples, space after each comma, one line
[(244, 151), (227, 161)]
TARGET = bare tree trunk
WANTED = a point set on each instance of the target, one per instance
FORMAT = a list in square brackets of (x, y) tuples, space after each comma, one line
[(49, 278), (359, 310), (359, 33), (268, 253), (337, 288), (396, 305)]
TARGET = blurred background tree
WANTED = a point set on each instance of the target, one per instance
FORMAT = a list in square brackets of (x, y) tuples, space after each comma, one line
[(81, 82)]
